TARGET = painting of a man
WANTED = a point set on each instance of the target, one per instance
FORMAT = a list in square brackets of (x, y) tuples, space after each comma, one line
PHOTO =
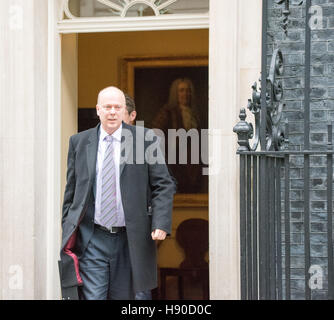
[(180, 113)]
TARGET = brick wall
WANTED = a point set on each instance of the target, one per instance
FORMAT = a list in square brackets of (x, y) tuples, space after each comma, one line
[(321, 112)]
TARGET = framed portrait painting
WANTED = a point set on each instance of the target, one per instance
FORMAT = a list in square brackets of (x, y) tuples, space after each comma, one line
[(172, 93)]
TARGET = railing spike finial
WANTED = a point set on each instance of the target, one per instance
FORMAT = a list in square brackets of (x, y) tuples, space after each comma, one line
[(244, 130), (242, 114)]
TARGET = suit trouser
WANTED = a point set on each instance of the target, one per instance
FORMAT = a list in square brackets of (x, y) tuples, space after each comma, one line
[(143, 295), (105, 267)]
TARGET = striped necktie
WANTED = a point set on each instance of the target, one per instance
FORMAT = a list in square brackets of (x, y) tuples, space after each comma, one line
[(108, 214)]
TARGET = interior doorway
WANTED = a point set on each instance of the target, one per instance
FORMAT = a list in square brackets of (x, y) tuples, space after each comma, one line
[(136, 61)]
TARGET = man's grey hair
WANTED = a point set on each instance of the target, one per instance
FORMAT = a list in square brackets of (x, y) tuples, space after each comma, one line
[(130, 104)]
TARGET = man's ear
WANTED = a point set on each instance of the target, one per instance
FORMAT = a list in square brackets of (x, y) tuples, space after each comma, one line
[(97, 110), (133, 115)]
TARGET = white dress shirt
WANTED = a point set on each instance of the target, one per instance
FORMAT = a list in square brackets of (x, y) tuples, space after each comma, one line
[(117, 135)]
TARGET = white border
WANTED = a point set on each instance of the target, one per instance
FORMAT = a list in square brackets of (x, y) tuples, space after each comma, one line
[(53, 152), (117, 24)]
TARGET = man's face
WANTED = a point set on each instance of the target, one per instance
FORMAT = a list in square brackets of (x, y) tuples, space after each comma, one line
[(129, 118), (184, 93), (111, 109)]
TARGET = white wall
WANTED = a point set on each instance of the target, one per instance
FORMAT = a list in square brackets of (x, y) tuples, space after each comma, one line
[(30, 149), (23, 134), (234, 64), (69, 98)]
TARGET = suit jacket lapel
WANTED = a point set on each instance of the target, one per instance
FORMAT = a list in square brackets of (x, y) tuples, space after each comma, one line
[(91, 150), (127, 144)]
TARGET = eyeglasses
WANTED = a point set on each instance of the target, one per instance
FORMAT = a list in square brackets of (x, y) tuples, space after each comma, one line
[(108, 108)]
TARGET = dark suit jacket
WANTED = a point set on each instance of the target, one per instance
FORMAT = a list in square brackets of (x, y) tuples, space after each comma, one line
[(147, 191)]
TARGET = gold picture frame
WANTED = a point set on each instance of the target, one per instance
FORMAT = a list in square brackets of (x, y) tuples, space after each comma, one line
[(130, 63)]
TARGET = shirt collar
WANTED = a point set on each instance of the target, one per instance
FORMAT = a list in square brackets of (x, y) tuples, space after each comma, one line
[(117, 135)]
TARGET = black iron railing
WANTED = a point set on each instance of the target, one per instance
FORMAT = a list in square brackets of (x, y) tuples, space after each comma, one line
[(265, 236)]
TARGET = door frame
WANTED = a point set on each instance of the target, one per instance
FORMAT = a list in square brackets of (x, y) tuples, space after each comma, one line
[(56, 27)]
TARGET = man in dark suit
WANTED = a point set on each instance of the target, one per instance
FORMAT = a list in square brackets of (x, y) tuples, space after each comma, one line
[(117, 201), (130, 112), (129, 117)]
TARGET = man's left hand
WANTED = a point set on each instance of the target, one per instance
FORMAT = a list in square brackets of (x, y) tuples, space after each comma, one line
[(158, 234)]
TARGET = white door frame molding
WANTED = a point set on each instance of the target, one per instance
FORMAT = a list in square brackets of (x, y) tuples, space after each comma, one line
[(58, 26), (234, 64), (74, 24), (53, 151), (151, 23)]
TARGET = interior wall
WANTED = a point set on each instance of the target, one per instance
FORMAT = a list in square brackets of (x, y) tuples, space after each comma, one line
[(100, 55), (69, 98), (99, 65)]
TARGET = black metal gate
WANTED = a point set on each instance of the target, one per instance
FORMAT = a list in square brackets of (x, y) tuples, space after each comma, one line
[(267, 165)]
